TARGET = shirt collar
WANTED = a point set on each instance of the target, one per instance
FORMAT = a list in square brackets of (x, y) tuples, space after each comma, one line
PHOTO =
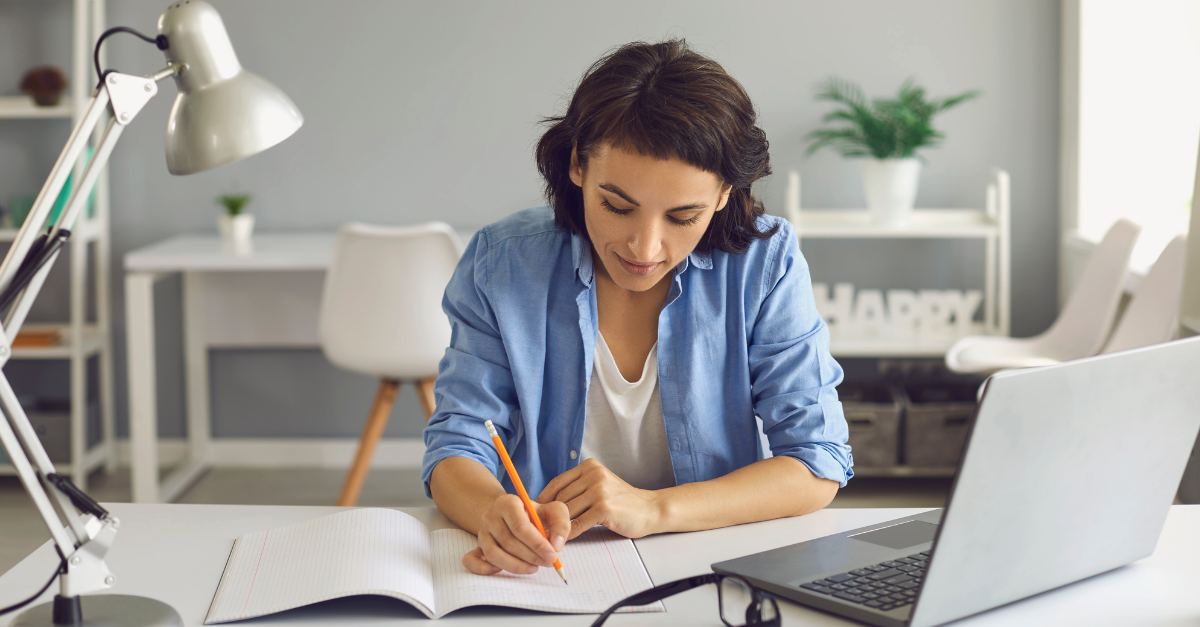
[(701, 260), (581, 251)]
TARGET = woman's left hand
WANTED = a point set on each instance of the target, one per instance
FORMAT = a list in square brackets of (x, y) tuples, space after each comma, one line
[(596, 496)]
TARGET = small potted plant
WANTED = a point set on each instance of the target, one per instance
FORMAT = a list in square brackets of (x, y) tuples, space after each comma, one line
[(888, 131), (236, 226)]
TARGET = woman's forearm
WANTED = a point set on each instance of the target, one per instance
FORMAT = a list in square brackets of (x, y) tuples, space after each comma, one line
[(463, 490), (771, 488)]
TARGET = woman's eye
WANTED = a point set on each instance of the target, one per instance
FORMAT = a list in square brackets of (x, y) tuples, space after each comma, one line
[(624, 212), (620, 212)]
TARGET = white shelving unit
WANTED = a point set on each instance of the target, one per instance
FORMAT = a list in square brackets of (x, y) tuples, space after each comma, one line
[(991, 224), (81, 338)]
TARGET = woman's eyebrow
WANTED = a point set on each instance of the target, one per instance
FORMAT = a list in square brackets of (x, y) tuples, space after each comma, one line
[(617, 190)]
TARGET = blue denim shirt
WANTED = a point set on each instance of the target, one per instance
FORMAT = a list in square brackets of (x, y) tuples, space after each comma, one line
[(739, 336)]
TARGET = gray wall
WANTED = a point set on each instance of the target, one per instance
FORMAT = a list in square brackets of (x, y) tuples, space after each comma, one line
[(429, 110)]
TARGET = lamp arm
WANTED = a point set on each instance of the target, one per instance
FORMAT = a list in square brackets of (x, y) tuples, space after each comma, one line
[(89, 530), (91, 174), (20, 432)]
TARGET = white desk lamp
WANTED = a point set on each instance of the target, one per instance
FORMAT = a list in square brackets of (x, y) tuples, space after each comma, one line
[(222, 114)]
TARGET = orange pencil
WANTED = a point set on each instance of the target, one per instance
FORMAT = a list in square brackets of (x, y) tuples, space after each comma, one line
[(516, 479)]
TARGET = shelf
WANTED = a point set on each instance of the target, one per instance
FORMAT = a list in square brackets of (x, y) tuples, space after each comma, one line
[(925, 223), (23, 108), (93, 341), (87, 228), (904, 471), (884, 346)]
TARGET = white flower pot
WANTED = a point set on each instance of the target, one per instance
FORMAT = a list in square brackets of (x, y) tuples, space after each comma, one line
[(237, 231), (890, 186)]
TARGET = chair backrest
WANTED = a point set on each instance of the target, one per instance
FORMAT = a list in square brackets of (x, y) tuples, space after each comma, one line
[(381, 311), (1152, 316), (1084, 323)]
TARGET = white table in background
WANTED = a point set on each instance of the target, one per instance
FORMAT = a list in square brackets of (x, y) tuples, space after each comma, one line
[(176, 553), (268, 298)]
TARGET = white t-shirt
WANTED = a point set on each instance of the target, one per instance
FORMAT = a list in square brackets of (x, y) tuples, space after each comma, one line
[(623, 425)]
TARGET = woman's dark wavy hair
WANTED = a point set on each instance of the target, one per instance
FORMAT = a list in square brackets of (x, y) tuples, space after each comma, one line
[(665, 101)]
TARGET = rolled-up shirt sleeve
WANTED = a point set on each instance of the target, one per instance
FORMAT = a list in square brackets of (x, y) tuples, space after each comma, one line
[(475, 381), (793, 376)]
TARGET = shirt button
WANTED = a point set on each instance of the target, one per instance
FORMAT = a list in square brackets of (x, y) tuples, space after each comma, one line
[(574, 454)]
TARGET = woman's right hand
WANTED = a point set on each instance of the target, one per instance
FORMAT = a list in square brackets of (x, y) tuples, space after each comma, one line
[(509, 541)]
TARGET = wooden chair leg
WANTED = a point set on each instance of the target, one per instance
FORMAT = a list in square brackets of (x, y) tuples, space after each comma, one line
[(425, 391), (376, 421)]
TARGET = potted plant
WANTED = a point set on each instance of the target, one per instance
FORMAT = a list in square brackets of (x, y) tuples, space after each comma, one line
[(235, 225), (888, 131)]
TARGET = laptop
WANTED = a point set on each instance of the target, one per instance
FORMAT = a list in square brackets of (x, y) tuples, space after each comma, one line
[(1068, 472)]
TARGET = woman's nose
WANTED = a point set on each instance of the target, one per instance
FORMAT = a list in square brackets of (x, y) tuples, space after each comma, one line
[(645, 244)]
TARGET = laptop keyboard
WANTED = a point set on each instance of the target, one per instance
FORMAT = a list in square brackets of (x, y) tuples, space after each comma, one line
[(884, 586)]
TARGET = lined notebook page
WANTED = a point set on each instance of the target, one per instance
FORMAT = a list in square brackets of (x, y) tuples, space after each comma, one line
[(361, 551), (602, 568)]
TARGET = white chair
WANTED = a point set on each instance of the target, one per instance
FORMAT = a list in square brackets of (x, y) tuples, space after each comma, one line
[(1081, 328), (381, 315), (1152, 315)]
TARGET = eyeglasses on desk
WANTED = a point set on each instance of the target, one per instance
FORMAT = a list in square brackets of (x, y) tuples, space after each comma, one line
[(740, 604)]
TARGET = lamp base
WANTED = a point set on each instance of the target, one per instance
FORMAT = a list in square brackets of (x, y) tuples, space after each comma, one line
[(107, 610)]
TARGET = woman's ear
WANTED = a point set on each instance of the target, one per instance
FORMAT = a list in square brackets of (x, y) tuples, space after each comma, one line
[(724, 197), (576, 169)]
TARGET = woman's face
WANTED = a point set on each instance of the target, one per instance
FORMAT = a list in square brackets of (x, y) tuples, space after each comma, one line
[(644, 215)]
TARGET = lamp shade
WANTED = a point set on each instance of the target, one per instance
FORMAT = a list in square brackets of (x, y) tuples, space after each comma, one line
[(222, 113)]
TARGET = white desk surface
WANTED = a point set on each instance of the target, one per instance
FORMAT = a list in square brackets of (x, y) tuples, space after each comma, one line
[(176, 553), (271, 251)]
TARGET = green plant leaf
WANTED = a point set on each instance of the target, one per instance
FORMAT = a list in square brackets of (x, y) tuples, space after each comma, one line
[(884, 128), (233, 203)]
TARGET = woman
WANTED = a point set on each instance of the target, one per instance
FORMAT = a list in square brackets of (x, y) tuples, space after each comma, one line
[(624, 339)]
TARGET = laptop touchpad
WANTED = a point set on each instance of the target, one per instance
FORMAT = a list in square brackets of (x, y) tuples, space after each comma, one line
[(900, 536)]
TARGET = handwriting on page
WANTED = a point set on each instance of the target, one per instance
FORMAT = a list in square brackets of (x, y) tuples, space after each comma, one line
[(363, 551), (602, 568)]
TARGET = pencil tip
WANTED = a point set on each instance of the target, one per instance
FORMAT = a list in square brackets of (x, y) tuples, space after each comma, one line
[(563, 575)]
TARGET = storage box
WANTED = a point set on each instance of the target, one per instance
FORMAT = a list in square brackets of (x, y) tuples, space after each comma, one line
[(873, 414), (937, 419)]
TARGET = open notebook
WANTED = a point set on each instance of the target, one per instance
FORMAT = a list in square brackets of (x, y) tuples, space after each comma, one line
[(389, 553)]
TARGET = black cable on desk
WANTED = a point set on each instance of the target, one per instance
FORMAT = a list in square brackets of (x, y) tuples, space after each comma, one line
[(61, 568)]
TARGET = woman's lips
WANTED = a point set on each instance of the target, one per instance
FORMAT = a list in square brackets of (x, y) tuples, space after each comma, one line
[(638, 269)]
